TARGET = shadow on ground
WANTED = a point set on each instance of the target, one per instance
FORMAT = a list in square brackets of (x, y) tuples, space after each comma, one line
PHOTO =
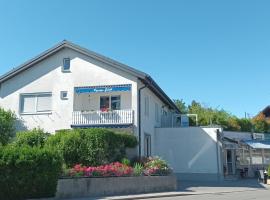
[(190, 186)]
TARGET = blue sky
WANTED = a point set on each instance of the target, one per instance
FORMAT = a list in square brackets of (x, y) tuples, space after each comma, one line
[(216, 52)]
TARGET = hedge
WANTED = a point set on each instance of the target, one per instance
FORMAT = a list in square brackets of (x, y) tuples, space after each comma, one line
[(91, 147), (36, 137), (27, 172), (7, 129)]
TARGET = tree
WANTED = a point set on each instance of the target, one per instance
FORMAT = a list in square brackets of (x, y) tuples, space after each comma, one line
[(181, 105), (7, 121), (260, 124), (245, 124)]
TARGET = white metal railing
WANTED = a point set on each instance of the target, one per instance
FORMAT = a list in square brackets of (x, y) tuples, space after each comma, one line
[(102, 118)]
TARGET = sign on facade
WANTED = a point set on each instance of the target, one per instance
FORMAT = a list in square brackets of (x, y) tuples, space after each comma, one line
[(184, 120)]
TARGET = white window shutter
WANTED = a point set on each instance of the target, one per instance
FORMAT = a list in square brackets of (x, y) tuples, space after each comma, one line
[(28, 104), (44, 103)]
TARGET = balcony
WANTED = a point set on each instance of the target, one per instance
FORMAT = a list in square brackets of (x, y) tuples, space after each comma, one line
[(115, 118)]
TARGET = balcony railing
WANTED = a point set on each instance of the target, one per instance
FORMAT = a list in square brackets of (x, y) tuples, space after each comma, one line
[(96, 118)]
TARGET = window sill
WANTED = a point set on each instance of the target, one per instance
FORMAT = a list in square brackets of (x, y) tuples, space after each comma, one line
[(40, 113), (66, 71)]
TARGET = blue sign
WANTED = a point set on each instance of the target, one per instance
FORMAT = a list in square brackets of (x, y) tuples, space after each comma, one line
[(184, 120), (100, 89)]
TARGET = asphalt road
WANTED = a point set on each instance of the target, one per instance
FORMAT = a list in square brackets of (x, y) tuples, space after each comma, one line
[(243, 195)]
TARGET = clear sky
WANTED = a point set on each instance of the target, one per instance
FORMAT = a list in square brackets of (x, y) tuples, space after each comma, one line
[(216, 52)]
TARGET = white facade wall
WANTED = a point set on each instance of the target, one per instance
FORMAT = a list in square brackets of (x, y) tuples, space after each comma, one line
[(192, 152), (149, 122), (47, 76)]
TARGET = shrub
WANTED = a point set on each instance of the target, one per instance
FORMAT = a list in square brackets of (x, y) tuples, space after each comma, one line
[(91, 147), (101, 146), (7, 121), (138, 169), (125, 161), (127, 139), (35, 137), (28, 172)]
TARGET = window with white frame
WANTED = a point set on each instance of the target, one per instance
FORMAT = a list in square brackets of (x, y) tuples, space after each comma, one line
[(115, 102), (146, 106), (157, 112), (64, 95), (66, 65), (36, 103), (110, 102)]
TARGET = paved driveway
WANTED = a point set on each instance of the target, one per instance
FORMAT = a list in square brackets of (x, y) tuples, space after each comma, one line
[(226, 190), (231, 190), (244, 195)]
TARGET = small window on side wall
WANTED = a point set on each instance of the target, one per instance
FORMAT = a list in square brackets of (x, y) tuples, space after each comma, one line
[(147, 145), (66, 65), (64, 95)]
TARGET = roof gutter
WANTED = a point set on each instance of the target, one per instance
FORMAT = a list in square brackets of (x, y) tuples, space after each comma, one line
[(153, 86)]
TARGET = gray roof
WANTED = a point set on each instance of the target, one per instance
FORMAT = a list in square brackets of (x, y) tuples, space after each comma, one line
[(145, 78)]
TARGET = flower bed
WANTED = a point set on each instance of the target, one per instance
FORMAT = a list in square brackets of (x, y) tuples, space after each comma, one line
[(151, 167), (113, 169), (116, 178)]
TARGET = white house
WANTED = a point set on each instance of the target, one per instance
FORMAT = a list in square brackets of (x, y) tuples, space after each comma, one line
[(68, 86)]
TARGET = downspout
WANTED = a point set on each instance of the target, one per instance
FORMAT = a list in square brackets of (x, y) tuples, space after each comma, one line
[(139, 120), (218, 153)]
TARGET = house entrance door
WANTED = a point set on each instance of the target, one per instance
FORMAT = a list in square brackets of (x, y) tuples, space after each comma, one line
[(230, 161)]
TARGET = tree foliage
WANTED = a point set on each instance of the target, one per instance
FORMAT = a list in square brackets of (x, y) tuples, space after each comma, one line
[(181, 105), (208, 116), (7, 126)]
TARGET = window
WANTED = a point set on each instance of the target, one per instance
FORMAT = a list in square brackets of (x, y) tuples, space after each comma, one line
[(147, 145), (146, 106), (110, 102), (104, 102), (115, 102), (266, 156), (244, 156), (66, 65), (164, 112), (35, 103), (156, 112), (256, 156), (64, 95)]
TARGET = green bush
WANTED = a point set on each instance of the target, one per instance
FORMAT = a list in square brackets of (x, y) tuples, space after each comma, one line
[(7, 121), (128, 140), (28, 172), (125, 161), (91, 147), (101, 146), (35, 137)]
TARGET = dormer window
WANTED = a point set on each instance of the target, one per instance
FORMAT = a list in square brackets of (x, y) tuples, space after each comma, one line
[(66, 65)]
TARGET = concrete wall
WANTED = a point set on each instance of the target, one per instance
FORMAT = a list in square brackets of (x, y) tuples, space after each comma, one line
[(93, 187), (192, 152)]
